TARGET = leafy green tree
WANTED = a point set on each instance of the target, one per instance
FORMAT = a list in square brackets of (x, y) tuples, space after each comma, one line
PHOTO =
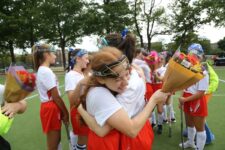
[(62, 22), (185, 20), (148, 15), (221, 44), (215, 10), (9, 25)]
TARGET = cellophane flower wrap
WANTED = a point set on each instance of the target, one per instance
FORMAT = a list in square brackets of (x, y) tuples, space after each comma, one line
[(19, 84), (182, 72)]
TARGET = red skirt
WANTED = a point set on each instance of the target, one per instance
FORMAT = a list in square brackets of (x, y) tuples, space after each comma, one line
[(78, 128), (156, 86), (108, 142), (149, 91), (142, 141), (196, 107), (50, 115)]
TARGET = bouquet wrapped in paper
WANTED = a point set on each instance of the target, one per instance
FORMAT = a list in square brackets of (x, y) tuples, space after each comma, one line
[(19, 84), (182, 72)]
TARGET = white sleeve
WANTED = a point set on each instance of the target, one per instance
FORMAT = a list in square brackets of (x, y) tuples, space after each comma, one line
[(102, 104), (70, 82), (203, 83), (2, 89), (48, 79), (146, 70)]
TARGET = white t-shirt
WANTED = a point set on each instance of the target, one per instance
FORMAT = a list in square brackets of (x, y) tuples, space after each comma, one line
[(101, 104), (144, 66), (46, 80), (2, 89), (132, 99), (202, 85), (160, 71), (71, 80)]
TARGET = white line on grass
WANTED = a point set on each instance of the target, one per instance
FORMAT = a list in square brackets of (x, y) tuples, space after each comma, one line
[(222, 80), (37, 94)]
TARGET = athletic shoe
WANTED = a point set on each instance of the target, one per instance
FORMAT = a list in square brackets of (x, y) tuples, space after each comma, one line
[(173, 120), (153, 125), (187, 144), (165, 121)]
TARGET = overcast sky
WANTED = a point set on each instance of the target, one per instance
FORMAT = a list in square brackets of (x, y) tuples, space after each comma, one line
[(206, 31)]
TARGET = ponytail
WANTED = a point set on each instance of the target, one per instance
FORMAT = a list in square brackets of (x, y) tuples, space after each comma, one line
[(125, 44)]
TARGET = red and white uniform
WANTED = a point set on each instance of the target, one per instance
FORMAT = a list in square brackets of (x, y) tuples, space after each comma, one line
[(197, 107), (50, 113), (72, 78), (101, 104), (133, 101), (155, 83), (144, 66)]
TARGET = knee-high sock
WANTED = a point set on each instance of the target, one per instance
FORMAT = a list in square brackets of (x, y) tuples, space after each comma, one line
[(201, 138), (191, 134), (153, 118), (171, 111), (73, 139), (59, 146), (160, 119), (164, 112)]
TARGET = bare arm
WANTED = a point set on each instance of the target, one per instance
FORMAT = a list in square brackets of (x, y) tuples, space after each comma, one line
[(131, 127), (92, 124), (193, 97), (11, 109), (59, 102), (121, 121)]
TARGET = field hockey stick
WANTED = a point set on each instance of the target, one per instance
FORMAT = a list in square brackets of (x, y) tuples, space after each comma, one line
[(181, 128), (170, 120), (68, 136)]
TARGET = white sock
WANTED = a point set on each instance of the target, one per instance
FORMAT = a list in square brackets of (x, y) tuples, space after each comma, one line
[(171, 111), (80, 147), (201, 138), (73, 139), (191, 134), (160, 119), (164, 112), (153, 117), (60, 146)]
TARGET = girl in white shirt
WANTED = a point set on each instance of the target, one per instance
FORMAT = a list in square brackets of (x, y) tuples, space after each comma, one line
[(110, 77), (53, 109), (195, 106), (78, 60)]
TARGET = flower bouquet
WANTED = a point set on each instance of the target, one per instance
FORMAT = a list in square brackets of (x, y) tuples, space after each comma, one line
[(19, 84), (182, 72)]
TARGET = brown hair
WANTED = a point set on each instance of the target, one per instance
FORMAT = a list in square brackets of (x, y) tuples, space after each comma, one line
[(126, 45), (38, 54), (106, 56)]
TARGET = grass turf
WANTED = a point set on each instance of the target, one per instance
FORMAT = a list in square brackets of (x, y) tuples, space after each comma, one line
[(26, 132)]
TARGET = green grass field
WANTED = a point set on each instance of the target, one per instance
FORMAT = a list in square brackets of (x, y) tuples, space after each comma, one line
[(26, 132)]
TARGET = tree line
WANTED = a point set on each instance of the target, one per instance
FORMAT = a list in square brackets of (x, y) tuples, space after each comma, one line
[(65, 22)]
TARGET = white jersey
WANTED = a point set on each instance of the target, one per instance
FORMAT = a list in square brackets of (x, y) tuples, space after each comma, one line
[(2, 89), (160, 72), (202, 85), (46, 80), (101, 104), (72, 78), (144, 66), (132, 99)]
